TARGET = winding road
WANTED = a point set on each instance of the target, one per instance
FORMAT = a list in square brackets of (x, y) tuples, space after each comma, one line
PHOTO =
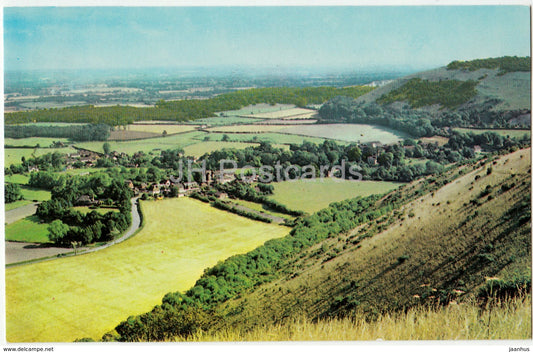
[(22, 252)]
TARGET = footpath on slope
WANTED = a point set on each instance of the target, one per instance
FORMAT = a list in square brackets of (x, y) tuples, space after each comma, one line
[(28, 253)]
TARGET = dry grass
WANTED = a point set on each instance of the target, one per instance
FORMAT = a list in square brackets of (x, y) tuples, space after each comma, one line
[(510, 320)]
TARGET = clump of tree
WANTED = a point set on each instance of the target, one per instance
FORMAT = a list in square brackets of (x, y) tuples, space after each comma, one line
[(12, 192), (77, 132), (68, 225), (417, 92), (505, 64)]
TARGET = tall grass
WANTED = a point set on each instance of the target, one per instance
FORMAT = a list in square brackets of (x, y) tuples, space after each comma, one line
[(507, 320)]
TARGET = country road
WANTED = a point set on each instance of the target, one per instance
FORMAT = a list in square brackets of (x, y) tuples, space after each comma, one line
[(20, 213), (20, 252)]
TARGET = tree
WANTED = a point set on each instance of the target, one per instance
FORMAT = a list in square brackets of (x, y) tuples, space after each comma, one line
[(12, 192), (164, 133), (57, 231), (225, 138), (107, 148)]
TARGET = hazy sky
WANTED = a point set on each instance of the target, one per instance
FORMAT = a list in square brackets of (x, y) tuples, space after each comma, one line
[(336, 37)]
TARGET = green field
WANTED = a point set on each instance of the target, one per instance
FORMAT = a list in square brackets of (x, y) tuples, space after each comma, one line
[(147, 145), (35, 194), (32, 141), (348, 132), (201, 148), (258, 109), (29, 229), (90, 294), (261, 208), (17, 178), (222, 121), (504, 133), (313, 195), (159, 128), (275, 138), (14, 155), (85, 210)]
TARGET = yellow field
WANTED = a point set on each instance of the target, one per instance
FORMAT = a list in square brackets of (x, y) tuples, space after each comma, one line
[(88, 295), (159, 128), (295, 113)]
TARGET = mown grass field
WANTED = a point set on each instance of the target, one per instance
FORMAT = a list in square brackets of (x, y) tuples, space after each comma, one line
[(222, 121), (313, 195), (35, 194), (29, 229), (88, 295), (17, 178), (257, 109), (162, 143), (504, 133), (292, 113), (275, 138), (348, 132), (248, 128), (201, 148), (32, 141), (159, 128)]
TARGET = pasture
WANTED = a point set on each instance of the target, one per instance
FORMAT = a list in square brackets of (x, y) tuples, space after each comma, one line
[(290, 114), (222, 121), (348, 132), (199, 149), (29, 229), (146, 146), (85, 210), (160, 128), (43, 142), (313, 195), (88, 295), (503, 133), (253, 110), (247, 129), (274, 138), (35, 194), (14, 155)]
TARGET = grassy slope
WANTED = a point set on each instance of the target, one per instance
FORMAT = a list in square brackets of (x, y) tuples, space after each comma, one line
[(445, 244), (311, 196), (88, 295)]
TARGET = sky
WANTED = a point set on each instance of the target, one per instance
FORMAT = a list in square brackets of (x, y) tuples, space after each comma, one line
[(336, 37)]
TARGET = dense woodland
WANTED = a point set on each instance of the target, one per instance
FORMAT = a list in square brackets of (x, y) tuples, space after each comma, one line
[(79, 133)]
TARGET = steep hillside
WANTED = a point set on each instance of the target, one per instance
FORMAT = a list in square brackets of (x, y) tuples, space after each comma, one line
[(441, 246), (505, 89)]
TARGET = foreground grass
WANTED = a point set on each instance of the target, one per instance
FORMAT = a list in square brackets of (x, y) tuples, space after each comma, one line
[(510, 320), (313, 195), (88, 295)]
